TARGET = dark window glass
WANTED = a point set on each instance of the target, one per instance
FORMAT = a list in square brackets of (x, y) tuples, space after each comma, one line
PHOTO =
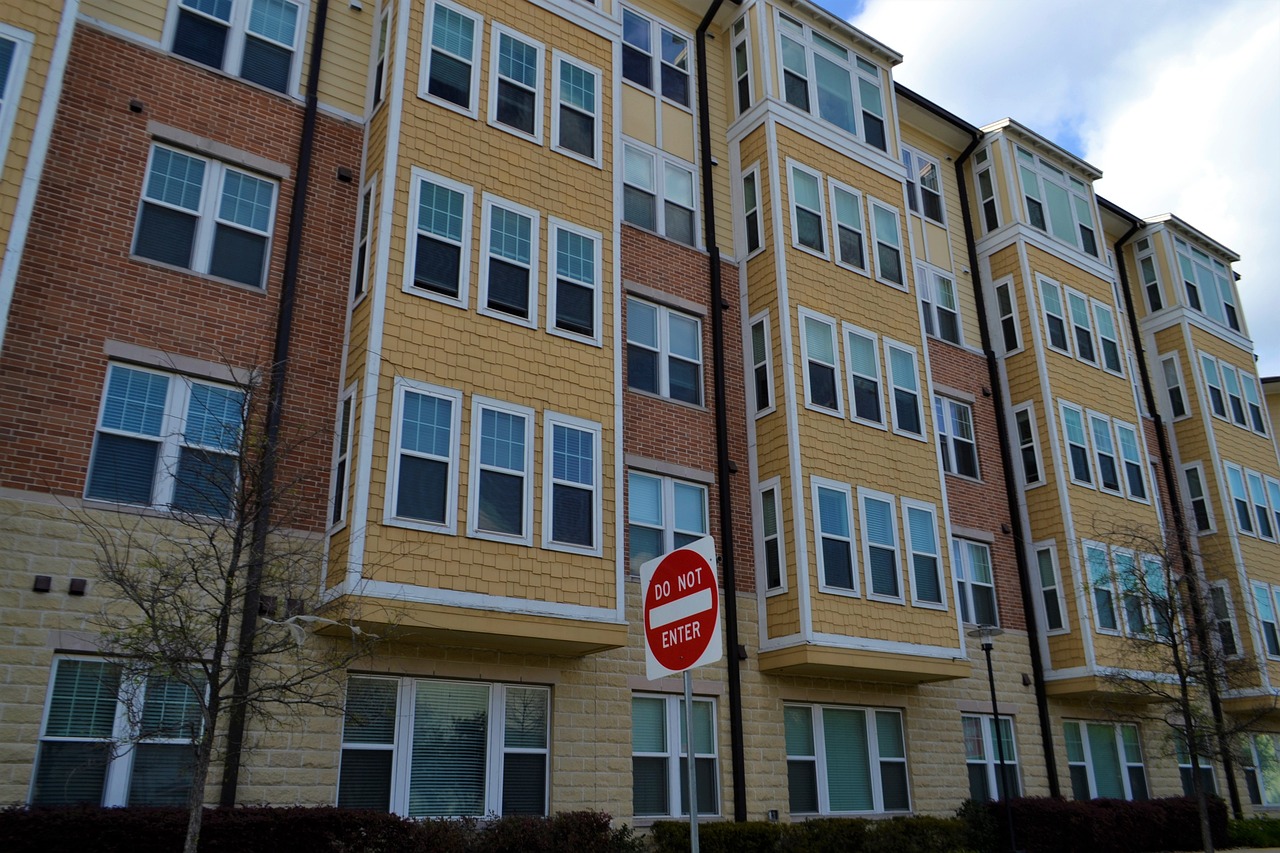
[(421, 490), (822, 386), (165, 235), (201, 39), (450, 79), (437, 266), (508, 288), (575, 308), (515, 106), (123, 469), (238, 255), (578, 132), (205, 482), (571, 515), (266, 64)]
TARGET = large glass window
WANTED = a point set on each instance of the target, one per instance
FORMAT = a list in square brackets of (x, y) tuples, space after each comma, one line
[(664, 352), (1105, 760), (975, 586), (924, 185), (656, 57), (908, 413), (845, 760), (833, 527), (1207, 284), (955, 436), (440, 251), (658, 194), (1262, 770), (575, 293), (818, 345), (982, 757), (571, 499), (662, 514), (501, 471), (660, 755), (576, 111), (426, 455), (452, 64), (808, 214), (880, 545), (1058, 203), (515, 100), (509, 262), (256, 39)]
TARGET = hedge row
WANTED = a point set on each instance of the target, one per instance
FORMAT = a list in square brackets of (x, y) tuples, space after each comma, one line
[(1046, 825), (302, 830), (821, 835), (1254, 832)]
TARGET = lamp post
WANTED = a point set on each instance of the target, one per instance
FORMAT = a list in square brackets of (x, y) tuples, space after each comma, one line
[(985, 633)]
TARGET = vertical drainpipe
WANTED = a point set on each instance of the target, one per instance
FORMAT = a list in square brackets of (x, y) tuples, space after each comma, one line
[(275, 409), (1010, 482), (724, 467), (1189, 573)]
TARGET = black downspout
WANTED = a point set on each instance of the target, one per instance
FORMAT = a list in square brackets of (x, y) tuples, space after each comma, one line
[(275, 408), (724, 467), (1180, 529), (1010, 483)]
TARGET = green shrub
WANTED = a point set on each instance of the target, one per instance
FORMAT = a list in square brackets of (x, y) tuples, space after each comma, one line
[(1254, 832), (821, 835)]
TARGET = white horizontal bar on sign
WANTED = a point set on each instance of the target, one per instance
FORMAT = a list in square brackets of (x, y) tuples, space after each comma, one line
[(681, 608)]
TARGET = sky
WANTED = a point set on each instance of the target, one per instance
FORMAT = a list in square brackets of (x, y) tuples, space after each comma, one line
[(1177, 102)]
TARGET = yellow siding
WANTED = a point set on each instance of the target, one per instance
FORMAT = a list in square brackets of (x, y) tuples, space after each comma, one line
[(144, 18), (639, 118)]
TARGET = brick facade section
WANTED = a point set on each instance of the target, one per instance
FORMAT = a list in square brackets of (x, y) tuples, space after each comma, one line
[(78, 286), (982, 504), (676, 432)]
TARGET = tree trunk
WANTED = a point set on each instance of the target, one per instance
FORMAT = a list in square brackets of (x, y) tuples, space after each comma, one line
[(1206, 832), (195, 802)]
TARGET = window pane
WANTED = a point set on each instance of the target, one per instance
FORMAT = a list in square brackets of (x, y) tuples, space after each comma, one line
[(162, 774), (572, 516), (165, 235), (364, 781), (422, 489), (524, 784), (370, 711), (70, 773), (447, 771), (123, 469), (238, 255), (1105, 758), (848, 762)]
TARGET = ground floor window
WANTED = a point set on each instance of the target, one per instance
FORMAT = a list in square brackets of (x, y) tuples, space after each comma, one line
[(1186, 771), (112, 739), (433, 748), (1262, 769), (982, 758), (660, 755), (1105, 761), (845, 760)]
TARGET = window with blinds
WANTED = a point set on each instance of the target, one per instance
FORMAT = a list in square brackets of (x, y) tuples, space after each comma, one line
[(659, 756), (845, 760), (1105, 760)]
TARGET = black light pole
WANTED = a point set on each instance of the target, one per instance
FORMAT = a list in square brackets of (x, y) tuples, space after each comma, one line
[(985, 633)]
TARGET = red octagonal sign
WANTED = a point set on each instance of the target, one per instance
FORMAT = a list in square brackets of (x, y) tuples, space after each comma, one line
[(681, 610)]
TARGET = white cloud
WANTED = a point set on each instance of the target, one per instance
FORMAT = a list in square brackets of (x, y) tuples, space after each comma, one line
[(1177, 102)]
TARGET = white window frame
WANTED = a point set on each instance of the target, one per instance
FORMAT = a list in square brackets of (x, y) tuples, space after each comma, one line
[(554, 227), (874, 760), (1263, 519), (835, 187), (1198, 468), (910, 506), (1172, 384), (864, 495), (1120, 428), (1236, 410), (662, 329), (1255, 774), (831, 323), (1264, 605), (1103, 441), (471, 110), (751, 214), (1102, 581), (656, 62), (488, 203), (1068, 332), (794, 167), (851, 375), (929, 288), (761, 321), (670, 528), (1145, 251), (237, 33), (1029, 410), (1063, 408), (497, 31), (1253, 404), (1244, 520), (816, 484), (675, 749), (990, 760), (376, 94), (1229, 617), (558, 59), (984, 166), (889, 347), (11, 95), (1214, 383), (740, 36), (1042, 613), (660, 160), (403, 387), (918, 163), (1075, 326), (1219, 302), (478, 405), (361, 262), (774, 485), (966, 582), (1272, 486), (550, 421), (876, 241), (944, 416), (1125, 765), (419, 177), (1100, 310), (1041, 172), (345, 425)]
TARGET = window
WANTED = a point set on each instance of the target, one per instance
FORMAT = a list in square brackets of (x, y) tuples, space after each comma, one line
[(659, 759), (864, 377), (639, 37), (938, 295), (845, 760), (888, 242), (364, 234), (1239, 498), (1223, 617), (1108, 340), (255, 39), (751, 209), (1256, 418), (1147, 271), (1057, 203), (771, 537), (844, 86), (515, 84), (1263, 777), (664, 352), (1207, 282), (663, 514), (205, 216), (1264, 603), (1258, 497), (1055, 319), (1050, 598), (880, 545), (1103, 588), (975, 586), (1082, 326), (428, 748), (571, 491), (1134, 599), (1105, 760), (501, 488), (808, 228), (761, 364), (955, 437), (509, 261), (846, 209), (1104, 453), (649, 177), (575, 113), (1077, 444), (1273, 494), (1024, 419), (439, 253), (1235, 400), (1131, 457), (425, 444), (818, 346), (92, 705), (908, 417), (987, 191), (342, 457), (924, 185), (741, 64), (925, 557), (573, 299), (988, 780), (1173, 386), (15, 50), (1209, 366), (833, 527), (452, 73), (378, 80), (168, 441), (1198, 497)]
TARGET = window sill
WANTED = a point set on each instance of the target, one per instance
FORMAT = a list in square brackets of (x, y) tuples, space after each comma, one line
[(697, 407), (965, 477), (203, 276)]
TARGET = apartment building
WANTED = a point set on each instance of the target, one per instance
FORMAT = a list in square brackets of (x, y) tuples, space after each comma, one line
[(575, 284)]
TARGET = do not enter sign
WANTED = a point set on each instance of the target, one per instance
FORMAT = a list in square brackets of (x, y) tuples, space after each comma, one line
[(681, 610)]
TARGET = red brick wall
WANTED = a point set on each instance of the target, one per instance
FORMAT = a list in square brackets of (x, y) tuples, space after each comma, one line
[(78, 285), (982, 505), (685, 435)]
